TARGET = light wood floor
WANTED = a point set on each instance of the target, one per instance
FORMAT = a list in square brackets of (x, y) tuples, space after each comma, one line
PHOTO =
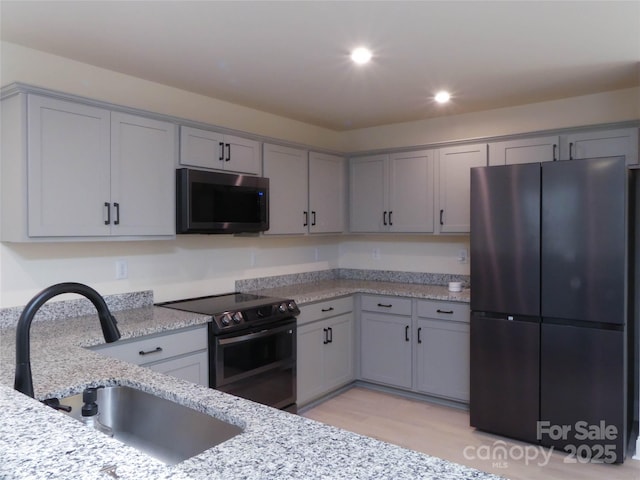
[(445, 432)]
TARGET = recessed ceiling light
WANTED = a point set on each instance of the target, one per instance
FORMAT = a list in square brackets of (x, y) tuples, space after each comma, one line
[(361, 55), (442, 96)]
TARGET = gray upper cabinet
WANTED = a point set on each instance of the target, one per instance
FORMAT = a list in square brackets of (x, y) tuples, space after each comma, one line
[(454, 183), (601, 143), (77, 171), (142, 175), (306, 191), (526, 150), (287, 171), (392, 193), (411, 192), (368, 191), (327, 189), (68, 169), (214, 150)]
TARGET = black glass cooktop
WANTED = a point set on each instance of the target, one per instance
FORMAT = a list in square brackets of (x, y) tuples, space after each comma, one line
[(216, 304)]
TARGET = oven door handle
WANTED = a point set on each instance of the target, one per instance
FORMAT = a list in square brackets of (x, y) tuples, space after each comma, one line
[(249, 336)]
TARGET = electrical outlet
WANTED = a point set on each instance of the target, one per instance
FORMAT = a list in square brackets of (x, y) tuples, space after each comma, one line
[(122, 269), (375, 254), (463, 255)]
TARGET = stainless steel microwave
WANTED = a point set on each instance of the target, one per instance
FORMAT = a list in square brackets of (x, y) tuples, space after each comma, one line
[(212, 202)]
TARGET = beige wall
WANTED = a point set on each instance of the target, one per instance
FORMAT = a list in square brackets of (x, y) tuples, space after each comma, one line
[(21, 64), (601, 108), (200, 265)]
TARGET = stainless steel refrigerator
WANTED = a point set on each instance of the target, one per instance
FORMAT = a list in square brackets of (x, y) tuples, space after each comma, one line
[(549, 304)]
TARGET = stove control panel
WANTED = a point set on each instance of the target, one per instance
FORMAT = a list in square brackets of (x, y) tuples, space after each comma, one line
[(239, 319)]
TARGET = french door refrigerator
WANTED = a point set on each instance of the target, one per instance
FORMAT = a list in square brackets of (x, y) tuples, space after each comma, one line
[(548, 302)]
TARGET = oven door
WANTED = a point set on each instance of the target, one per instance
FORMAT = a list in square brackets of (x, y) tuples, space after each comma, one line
[(258, 365)]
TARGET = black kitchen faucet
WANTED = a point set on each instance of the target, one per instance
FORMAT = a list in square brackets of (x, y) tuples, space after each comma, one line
[(23, 381)]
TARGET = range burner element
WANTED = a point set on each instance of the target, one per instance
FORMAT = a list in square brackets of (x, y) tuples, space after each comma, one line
[(237, 311)]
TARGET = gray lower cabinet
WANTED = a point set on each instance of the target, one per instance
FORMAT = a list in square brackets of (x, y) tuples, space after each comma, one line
[(385, 340), (325, 356), (417, 345), (442, 349), (180, 353)]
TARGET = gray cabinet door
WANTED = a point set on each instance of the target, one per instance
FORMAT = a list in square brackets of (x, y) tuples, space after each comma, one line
[(338, 353), (455, 164), (207, 149), (327, 190), (310, 365), (142, 175), (442, 356), (603, 143), (368, 193), (526, 150), (385, 348), (287, 170), (68, 169), (324, 356), (411, 192)]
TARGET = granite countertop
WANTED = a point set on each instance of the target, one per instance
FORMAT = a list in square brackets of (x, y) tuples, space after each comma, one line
[(325, 289), (39, 442)]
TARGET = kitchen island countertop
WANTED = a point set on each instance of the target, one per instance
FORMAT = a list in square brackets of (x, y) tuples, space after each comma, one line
[(38, 442)]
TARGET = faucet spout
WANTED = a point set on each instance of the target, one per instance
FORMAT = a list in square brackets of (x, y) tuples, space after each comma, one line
[(23, 381)]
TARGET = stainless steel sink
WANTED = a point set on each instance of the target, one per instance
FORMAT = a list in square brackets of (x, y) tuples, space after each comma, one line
[(160, 428)]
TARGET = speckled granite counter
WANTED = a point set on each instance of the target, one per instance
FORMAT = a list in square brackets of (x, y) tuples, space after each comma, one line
[(38, 442), (325, 289)]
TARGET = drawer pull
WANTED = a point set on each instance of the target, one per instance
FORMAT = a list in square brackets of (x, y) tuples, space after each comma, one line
[(444, 311), (330, 309), (156, 350), (388, 305)]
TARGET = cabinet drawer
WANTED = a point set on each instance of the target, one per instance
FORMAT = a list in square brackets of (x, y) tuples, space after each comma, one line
[(325, 309), (386, 304), (458, 312), (157, 347)]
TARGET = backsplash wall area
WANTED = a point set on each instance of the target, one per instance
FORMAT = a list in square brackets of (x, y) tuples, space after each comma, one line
[(203, 265)]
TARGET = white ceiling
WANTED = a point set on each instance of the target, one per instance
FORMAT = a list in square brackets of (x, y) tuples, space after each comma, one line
[(291, 58)]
